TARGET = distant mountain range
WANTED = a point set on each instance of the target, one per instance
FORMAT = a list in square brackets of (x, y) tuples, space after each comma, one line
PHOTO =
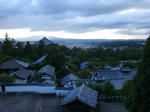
[(81, 43)]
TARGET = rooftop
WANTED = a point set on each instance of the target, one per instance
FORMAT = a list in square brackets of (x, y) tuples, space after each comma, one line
[(83, 94), (48, 70), (68, 78), (14, 64), (22, 73)]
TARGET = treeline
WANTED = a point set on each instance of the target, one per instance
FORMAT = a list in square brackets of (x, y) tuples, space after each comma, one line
[(127, 43)]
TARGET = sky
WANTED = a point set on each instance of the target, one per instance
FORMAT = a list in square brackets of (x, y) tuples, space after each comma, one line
[(78, 19)]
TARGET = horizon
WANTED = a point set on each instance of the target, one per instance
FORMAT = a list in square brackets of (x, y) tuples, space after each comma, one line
[(74, 19)]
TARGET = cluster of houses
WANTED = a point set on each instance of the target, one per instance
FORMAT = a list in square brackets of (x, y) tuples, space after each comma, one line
[(81, 99), (19, 69), (23, 75), (116, 75)]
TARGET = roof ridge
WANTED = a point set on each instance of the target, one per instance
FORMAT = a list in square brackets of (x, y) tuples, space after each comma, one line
[(81, 89)]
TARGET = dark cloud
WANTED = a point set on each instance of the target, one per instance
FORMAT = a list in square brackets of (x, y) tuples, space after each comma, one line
[(75, 16)]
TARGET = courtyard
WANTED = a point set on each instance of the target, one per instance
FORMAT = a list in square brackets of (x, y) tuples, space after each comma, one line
[(45, 103)]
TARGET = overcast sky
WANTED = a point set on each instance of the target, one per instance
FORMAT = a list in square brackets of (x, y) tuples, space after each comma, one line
[(87, 19)]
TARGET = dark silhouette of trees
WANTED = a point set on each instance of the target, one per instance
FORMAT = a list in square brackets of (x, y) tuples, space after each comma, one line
[(139, 98)]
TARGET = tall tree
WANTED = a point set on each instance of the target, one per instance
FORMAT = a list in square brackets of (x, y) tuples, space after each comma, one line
[(8, 46), (28, 51), (139, 98), (41, 48)]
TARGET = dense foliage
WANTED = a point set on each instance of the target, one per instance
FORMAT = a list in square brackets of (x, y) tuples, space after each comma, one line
[(139, 97), (85, 74), (6, 78)]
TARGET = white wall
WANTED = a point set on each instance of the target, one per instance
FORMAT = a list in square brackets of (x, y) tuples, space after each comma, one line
[(36, 89), (62, 92)]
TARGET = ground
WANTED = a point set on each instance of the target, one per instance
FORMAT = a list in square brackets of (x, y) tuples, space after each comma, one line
[(44, 103), (29, 103)]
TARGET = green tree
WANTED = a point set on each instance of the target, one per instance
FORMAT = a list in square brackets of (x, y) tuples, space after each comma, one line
[(41, 48), (108, 89), (139, 98), (127, 87), (28, 51), (19, 49), (85, 74), (6, 78), (8, 46)]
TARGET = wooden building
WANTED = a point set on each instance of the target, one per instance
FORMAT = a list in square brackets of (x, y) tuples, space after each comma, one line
[(69, 80), (48, 73), (22, 76), (81, 99), (12, 66)]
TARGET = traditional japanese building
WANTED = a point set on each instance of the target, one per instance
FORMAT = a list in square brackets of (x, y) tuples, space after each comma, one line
[(48, 73), (12, 66), (81, 99)]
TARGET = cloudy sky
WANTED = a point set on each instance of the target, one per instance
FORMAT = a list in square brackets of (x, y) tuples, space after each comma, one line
[(86, 19)]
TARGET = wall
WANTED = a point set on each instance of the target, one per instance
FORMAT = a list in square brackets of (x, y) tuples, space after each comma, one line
[(36, 89)]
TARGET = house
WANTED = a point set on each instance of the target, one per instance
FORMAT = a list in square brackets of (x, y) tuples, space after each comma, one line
[(22, 76), (12, 66), (48, 72), (84, 65), (107, 75), (39, 60), (115, 68), (69, 80), (81, 99), (125, 69), (116, 77), (107, 67)]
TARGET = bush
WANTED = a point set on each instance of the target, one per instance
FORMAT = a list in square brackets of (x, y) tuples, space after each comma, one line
[(6, 78), (85, 74)]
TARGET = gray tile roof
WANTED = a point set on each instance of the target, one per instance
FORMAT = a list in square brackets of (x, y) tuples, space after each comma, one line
[(22, 73), (84, 65), (107, 67), (48, 70), (68, 78), (39, 60), (14, 64), (107, 75), (83, 94), (117, 78), (125, 69)]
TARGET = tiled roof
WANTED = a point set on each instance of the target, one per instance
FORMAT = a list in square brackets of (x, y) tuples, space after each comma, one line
[(39, 60), (117, 78), (22, 73), (14, 64), (68, 78), (48, 69), (84, 65), (83, 94)]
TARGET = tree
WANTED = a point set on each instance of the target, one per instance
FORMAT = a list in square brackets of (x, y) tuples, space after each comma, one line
[(41, 48), (6, 78), (19, 49), (127, 87), (85, 74), (108, 89), (28, 51), (139, 98), (8, 46)]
